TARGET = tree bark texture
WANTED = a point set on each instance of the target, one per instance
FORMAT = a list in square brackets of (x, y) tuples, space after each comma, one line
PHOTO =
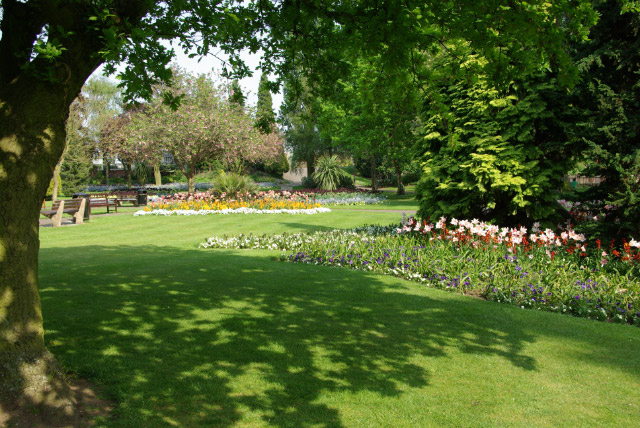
[(32, 138), (191, 187), (35, 96), (33, 112)]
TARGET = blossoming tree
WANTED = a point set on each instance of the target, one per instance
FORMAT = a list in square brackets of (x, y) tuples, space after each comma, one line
[(122, 137), (205, 126)]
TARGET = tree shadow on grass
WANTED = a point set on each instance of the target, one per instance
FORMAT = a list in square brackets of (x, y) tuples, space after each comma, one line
[(210, 338)]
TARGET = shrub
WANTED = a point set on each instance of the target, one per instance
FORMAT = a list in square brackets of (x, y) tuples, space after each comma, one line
[(233, 184), (309, 183), (142, 172), (346, 182), (328, 174), (278, 167)]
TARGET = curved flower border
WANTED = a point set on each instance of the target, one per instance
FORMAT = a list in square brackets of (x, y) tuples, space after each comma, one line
[(231, 211)]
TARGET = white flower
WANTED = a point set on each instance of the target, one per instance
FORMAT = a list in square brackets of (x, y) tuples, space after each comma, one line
[(634, 243)]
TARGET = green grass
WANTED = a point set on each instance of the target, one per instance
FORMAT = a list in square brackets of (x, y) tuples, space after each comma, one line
[(214, 338), (401, 203)]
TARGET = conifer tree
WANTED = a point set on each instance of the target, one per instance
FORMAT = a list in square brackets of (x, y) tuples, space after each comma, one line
[(609, 98), (265, 118), (236, 96)]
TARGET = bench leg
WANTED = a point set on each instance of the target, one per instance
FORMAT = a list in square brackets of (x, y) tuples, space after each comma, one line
[(57, 218), (79, 216)]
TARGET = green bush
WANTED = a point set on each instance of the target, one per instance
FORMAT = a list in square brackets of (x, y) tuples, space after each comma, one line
[(174, 177), (329, 174), (278, 167), (142, 172), (308, 183), (495, 155), (346, 182), (232, 183)]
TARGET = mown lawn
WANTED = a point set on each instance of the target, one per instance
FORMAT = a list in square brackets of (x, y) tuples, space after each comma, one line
[(406, 203), (184, 337)]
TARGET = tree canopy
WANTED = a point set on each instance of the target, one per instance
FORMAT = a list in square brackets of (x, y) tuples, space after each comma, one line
[(49, 48)]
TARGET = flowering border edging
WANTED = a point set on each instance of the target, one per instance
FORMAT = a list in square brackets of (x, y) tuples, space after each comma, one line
[(230, 211)]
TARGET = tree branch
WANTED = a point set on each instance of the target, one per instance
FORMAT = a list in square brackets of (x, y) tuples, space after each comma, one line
[(21, 24)]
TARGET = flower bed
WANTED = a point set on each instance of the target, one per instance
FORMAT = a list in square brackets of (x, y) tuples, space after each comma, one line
[(340, 190), (263, 200), (348, 198), (541, 269), (163, 212), (207, 201)]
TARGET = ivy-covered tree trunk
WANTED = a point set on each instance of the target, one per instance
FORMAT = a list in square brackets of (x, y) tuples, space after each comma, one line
[(156, 174), (127, 171)]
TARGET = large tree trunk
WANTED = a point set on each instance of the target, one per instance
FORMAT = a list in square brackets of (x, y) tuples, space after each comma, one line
[(32, 139), (156, 174), (35, 95)]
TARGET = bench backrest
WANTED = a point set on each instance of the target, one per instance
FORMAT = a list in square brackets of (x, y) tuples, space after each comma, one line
[(68, 203), (125, 193)]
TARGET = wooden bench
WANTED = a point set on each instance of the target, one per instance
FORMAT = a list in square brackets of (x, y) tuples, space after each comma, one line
[(74, 207), (126, 196), (102, 200)]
